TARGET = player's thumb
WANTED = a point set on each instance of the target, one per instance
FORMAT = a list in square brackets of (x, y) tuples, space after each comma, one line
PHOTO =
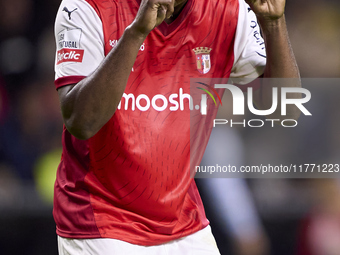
[(161, 13)]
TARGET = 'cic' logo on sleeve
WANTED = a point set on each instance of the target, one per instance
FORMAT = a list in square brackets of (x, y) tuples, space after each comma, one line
[(69, 55)]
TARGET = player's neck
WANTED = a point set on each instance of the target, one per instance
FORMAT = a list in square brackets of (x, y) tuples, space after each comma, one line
[(177, 11)]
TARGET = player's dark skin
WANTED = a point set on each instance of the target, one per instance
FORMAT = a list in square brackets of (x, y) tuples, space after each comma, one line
[(88, 105)]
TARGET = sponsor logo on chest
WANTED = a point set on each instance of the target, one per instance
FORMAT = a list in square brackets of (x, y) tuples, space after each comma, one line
[(113, 44)]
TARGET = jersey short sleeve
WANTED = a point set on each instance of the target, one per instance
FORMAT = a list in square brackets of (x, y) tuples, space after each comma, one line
[(249, 49), (79, 40)]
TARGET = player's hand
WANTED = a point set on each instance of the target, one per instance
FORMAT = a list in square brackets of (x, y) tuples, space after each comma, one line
[(267, 9), (151, 13)]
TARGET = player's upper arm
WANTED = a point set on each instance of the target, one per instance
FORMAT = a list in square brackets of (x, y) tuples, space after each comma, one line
[(249, 49), (79, 40)]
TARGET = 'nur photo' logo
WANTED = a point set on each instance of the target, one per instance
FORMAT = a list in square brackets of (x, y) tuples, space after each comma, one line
[(239, 103), (204, 97)]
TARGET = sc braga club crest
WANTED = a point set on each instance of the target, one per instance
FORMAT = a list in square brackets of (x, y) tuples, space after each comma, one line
[(203, 59)]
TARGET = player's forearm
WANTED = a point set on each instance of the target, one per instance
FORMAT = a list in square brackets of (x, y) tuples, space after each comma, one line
[(88, 105), (281, 63)]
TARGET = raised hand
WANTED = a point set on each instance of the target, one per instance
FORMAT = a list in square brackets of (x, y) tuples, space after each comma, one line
[(151, 13), (267, 9)]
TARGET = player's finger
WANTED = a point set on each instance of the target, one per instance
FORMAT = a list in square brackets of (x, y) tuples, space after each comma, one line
[(161, 2), (161, 12), (170, 10)]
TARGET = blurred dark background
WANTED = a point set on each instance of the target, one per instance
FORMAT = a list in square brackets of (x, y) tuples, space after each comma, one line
[(292, 213)]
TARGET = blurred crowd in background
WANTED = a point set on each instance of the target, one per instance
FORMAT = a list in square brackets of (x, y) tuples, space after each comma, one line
[(252, 217)]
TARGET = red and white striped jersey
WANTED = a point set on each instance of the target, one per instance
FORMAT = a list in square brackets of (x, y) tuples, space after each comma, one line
[(131, 180)]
